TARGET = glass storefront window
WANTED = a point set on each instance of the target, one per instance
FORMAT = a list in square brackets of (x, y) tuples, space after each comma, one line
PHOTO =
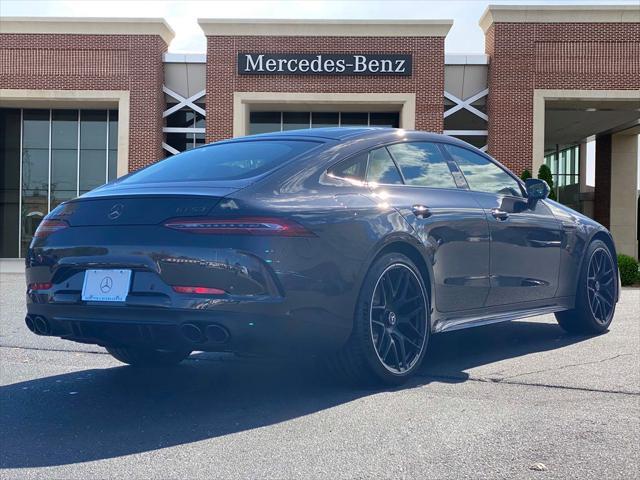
[(50, 156), (93, 146), (325, 119), (384, 119), (354, 119), (564, 165), (265, 122), (64, 156), (296, 120), (35, 172)]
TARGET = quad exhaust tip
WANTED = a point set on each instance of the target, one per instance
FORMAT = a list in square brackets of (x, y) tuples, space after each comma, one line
[(30, 324), (217, 333), (211, 333), (42, 325), (38, 324), (193, 333)]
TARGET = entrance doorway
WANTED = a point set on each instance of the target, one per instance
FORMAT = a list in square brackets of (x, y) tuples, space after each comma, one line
[(589, 139)]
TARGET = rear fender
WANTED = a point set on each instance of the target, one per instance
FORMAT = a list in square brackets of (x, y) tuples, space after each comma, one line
[(404, 242)]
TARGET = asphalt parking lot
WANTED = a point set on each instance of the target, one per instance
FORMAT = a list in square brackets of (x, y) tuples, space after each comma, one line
[(489, 403)]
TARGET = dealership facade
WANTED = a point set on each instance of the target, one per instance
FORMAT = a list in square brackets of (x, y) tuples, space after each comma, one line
[(83, 101)]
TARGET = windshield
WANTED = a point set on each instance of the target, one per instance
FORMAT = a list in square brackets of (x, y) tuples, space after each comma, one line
[(225, 161)]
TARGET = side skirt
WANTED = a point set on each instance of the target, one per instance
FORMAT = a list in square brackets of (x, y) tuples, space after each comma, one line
[(564, 303)]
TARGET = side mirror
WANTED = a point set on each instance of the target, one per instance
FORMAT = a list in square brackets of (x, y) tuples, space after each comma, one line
[(536, 189)]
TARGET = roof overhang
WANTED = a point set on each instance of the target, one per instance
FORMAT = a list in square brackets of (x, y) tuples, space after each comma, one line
[(325, 28), (558, 14), (88, 26)]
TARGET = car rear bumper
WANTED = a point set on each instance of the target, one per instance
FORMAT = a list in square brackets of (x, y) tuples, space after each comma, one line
[(307, 330)]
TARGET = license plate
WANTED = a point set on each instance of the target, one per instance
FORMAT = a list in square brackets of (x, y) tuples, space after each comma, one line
[(106, 285)]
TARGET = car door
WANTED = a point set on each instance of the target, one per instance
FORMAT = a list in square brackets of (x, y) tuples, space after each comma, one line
[(525, 238), (416, 178)]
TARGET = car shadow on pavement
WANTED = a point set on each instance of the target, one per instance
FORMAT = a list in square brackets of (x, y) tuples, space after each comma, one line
[(452, 354), (106, 413)]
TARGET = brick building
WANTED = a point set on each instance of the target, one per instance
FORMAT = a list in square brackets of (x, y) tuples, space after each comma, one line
[(85, 100)]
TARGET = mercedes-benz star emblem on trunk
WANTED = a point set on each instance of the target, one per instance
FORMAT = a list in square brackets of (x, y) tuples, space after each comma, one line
[(115, 211)]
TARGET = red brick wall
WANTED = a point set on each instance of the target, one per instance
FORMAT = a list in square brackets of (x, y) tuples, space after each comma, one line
[(427, 80), (602, 191), (95, 62), (525, 57)]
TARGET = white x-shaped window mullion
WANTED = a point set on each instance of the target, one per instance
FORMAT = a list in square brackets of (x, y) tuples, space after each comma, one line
[(169, 148), (466, 104), (183, 102)]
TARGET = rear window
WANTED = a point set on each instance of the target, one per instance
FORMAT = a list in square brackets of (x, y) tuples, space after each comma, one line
[(381, 168), (353, 169), (226, 161)]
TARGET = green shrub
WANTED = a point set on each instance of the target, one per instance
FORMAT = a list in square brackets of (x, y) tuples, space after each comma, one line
[(628, 269), (544, 173), (526, 174)]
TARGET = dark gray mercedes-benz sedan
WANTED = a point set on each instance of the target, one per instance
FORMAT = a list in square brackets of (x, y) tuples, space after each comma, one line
[(356, 244)]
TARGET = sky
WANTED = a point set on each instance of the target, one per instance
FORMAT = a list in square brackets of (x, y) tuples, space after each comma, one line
[(465, 36)]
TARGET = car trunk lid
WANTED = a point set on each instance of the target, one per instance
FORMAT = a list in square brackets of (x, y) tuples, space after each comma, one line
[(140, 206)]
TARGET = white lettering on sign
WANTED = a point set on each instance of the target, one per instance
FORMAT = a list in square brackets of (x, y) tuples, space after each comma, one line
[(254, 64), (324, 64)]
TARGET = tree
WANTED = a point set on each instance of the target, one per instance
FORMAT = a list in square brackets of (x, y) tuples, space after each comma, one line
[(544, 173), (525, 174)]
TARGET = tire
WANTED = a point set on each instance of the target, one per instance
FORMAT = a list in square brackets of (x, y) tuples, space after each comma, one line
[(147, 357), (593, 315), (394, 328)]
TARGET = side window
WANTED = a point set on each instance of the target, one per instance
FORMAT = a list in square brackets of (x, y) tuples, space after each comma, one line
[(353, 168), (483, 175), (381, 168), (422, 164)]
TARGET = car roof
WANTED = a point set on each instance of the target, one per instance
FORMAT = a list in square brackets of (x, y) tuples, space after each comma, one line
[(331, 133), (343, 133)]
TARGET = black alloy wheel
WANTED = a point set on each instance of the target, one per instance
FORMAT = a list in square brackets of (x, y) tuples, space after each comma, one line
[(391, 326), (397, 313), (601, 285), (596, 294)]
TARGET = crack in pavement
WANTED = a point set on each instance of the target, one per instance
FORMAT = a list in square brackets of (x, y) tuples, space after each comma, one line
[(525, 384), (562, 367), (563, 387)]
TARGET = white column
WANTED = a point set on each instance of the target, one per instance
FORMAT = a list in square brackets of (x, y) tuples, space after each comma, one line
[(586, 192), (624, 193), (582, 168)]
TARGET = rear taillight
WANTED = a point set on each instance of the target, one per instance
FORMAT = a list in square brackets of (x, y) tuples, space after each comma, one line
[(239, 226), (198, 290), (40, 286), (47, 227)]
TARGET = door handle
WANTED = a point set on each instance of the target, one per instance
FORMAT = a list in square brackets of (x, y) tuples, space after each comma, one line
[(421, 211), (499, 214)]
